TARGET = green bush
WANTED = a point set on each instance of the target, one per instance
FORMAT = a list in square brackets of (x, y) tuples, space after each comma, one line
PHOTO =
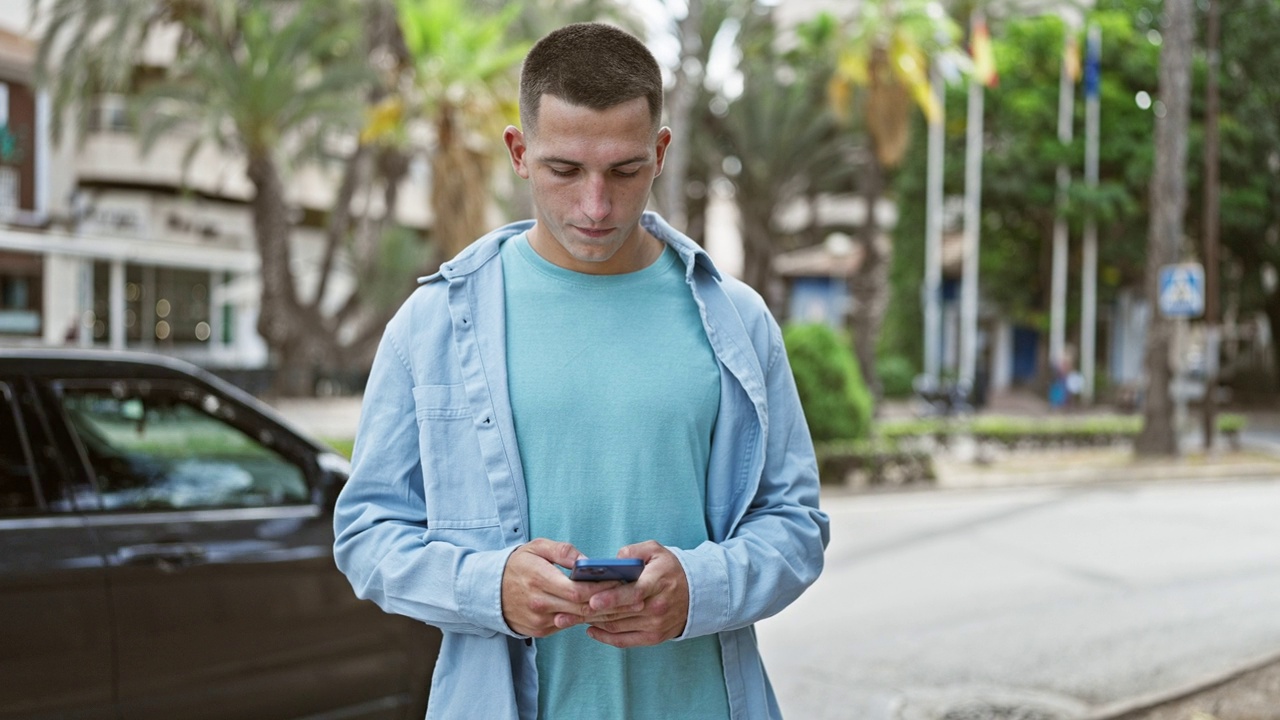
[(1232, 422), (342, 445), (872, 461), (836, 403), (896, 374)]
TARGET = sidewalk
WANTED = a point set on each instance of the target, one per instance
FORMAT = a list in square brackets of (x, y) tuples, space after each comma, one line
[(966, 466), (1098, 466), (333, 418)]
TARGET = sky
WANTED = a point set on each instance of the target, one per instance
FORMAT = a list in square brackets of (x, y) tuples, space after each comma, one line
[(14, 13)]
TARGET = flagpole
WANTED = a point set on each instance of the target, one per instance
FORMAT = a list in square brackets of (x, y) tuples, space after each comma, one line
[(933, 234), (1089, 283), (1058, 292), (972, 207)]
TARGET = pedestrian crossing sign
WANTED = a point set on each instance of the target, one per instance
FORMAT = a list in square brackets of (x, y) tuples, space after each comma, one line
[(1182, 290)]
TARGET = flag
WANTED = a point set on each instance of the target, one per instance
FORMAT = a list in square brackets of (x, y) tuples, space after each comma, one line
[(984, 61), (1071, 58), (1093, 64)]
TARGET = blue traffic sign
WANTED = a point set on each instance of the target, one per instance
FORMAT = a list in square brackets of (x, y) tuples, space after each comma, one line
[(1182, 290)]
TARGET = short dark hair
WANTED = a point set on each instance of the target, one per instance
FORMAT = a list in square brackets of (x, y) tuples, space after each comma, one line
[(593, 65)]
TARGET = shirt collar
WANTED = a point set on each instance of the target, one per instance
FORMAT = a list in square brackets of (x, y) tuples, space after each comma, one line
[(484, 249)]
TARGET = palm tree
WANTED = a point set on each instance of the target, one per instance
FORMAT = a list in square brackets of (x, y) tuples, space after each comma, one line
[(465, 78), (882, 69), (786, 142), (272, 82)]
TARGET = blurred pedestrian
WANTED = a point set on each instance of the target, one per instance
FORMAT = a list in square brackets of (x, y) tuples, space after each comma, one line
[(586, 383)]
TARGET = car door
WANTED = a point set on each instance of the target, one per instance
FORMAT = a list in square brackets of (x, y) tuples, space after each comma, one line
[(55, 624), (223, 586)]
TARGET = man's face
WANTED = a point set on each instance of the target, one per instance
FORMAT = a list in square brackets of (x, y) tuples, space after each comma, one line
[(590, 172)]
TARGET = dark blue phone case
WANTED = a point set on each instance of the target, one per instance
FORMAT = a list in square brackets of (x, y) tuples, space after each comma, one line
[(624, 569)]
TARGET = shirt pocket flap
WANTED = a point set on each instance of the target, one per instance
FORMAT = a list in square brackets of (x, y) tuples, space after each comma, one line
[(441, 401)]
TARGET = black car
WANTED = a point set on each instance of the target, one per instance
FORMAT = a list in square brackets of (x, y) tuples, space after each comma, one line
[(166, 552)]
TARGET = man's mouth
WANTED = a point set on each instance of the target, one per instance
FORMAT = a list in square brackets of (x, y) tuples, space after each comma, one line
[(593, 232)]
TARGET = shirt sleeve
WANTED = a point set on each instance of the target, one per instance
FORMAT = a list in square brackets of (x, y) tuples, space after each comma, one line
[(776, 551), (381, 539)]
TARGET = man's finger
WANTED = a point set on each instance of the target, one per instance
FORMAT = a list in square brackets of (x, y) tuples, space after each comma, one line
[(624, 639), (561, 553)]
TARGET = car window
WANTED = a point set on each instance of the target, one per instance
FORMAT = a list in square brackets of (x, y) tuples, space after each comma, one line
[(17, 475), (157, 446)]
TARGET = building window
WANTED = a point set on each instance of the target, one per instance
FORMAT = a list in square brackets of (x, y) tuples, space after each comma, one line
[(9, 191), (109, 112), (163, 305), (21, 290)]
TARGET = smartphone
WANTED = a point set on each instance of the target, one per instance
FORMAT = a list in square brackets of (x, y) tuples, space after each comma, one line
[(624, 569)]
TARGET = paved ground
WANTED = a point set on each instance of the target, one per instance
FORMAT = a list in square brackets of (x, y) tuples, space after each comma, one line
[(326, 418)]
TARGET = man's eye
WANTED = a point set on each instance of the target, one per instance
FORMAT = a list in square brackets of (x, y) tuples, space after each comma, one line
[(626, 173), (563, 173)]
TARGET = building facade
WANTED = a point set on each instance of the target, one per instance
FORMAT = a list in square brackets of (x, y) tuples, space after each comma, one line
[(104, 246)]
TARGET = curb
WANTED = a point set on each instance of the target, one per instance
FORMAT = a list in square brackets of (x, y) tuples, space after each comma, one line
[(1126, 709), (1102, 476)]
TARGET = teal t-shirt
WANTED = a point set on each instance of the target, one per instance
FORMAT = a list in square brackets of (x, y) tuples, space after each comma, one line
[(614, 390)]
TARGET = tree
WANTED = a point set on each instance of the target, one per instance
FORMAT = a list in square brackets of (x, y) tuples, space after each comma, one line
[(1168, 205), (779, 100), (671, 190), (465, 77), (1250, 169), (275, 82), (885, 57)]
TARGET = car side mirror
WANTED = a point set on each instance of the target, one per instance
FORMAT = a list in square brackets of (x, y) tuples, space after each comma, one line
[(334, 471)]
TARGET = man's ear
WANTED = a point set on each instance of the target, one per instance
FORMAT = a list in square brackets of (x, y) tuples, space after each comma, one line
[(664, 139), (516, 147)]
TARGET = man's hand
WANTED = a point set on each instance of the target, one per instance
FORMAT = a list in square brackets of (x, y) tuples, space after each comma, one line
[(649, 611), (538, 599)]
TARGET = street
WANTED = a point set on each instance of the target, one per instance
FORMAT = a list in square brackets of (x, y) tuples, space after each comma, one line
[(1032, 603)]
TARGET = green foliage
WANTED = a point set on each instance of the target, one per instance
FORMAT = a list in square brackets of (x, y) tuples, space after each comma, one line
[(1232, 422), (836, 403), (1250, 162), (896, 373), (247, 81), (464, 58), (342, 445), (1022, 153), (1034, 431), (872, 461)]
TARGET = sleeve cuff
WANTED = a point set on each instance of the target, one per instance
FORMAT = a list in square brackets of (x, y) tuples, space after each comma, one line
[(708, 581), (480, 589)]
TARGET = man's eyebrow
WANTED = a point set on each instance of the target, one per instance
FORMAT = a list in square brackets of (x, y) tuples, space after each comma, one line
[(575, 163)]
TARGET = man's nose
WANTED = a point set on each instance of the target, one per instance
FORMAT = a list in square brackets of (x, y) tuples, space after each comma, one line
[(595, 201)]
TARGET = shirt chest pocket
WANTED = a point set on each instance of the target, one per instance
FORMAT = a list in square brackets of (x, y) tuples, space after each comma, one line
[(455, 484)]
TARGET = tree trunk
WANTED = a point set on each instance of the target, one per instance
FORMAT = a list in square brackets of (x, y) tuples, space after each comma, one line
[(688, 78), (757, 258), (459, 188), (869, 287), (1159, 436), (1272, 308), (297, 338)]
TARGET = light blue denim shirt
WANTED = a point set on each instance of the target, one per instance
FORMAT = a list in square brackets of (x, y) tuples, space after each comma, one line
[(436, 500)]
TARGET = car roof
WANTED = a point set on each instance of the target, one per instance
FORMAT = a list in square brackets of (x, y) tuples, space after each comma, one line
[(88, 363), (80, 363)]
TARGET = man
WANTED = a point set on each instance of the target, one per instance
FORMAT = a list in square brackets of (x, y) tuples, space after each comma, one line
[(585, 385)]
